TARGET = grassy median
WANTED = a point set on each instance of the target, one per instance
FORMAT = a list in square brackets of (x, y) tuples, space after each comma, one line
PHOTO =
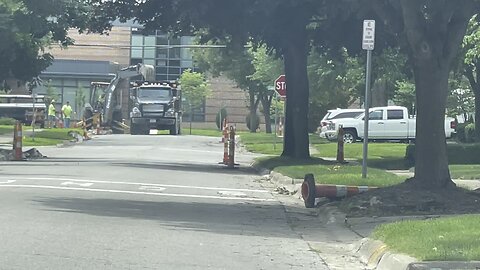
[(381, 157), (444, 239), (44, 137)]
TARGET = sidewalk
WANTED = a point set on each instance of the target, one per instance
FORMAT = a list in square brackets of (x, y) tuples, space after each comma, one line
[(372, 253)]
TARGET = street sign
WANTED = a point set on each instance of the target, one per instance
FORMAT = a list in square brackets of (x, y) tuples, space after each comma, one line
[(368, 41), (281, 86)]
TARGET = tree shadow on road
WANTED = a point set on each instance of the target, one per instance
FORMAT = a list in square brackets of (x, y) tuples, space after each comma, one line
[(249, 219)]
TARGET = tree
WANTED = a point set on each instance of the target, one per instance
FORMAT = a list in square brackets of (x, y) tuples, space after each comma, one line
[(194, 89), (27, 27), (471, 66), (281, 25), (433, 32), (252, 69)]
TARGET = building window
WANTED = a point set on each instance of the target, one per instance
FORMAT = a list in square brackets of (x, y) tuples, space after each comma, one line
[(137, 46)]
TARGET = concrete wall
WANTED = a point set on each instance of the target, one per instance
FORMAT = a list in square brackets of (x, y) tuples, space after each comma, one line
[(115, 46), (226, 95)]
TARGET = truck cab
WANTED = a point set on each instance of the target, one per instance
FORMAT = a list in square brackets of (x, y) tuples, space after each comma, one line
[(155, 105)]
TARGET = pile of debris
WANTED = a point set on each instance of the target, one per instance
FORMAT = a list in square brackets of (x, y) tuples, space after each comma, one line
[(7, 154)]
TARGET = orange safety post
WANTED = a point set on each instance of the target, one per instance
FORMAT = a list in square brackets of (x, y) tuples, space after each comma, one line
[(224, 131), (17, 141), (340, 145), (231, 150), (225, 146), (311, 191)]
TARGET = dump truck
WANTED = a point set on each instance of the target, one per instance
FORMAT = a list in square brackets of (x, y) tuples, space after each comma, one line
[(155, 105), (104, 109)]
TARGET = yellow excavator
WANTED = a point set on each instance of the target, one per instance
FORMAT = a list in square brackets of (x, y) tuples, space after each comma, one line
[(103, 113)]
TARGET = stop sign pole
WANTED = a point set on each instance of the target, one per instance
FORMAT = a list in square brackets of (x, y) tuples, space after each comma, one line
[(280, 87), (368, 44)]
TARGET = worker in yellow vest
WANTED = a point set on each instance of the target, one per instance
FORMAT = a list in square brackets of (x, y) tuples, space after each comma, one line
[(67, 114), (51, 114)]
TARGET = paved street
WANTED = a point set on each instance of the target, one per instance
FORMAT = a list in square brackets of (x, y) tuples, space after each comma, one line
[(146, 202)]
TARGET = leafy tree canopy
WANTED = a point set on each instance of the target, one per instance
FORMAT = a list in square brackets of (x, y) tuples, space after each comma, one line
[(27, 27)]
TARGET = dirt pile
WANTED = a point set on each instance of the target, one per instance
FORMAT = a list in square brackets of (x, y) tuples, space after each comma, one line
[(31, 154), (409, 199)]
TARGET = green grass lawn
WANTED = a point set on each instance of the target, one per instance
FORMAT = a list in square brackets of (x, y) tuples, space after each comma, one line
[(6, 129), (468, 172), (52, 136), (328, 172), (388, 156), (202, 132), (452, 238)]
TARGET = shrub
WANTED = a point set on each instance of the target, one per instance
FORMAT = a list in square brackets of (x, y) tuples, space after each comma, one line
[(252, 124), (470, 133), (221, 115), (7, 121), (457, 154)]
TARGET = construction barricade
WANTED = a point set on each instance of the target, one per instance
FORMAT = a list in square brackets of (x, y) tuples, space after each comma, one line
[(229, 147), (311, 191)]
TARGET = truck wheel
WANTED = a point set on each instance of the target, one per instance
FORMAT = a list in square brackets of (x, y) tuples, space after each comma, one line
[(175, 129), (134, 130), (146, 131), (350, 136)]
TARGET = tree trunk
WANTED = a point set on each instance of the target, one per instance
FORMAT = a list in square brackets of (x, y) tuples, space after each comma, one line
[(266, 104), (431, 167), (433, 45), (477, 113), (296, 141), (253, 110), (379, 93)]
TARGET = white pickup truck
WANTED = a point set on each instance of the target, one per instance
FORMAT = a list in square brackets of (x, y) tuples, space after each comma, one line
[(385, 123)]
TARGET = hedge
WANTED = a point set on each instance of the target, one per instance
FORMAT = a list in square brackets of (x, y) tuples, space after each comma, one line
[(457, 154)]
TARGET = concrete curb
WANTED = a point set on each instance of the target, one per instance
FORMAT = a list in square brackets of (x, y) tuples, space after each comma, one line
[(291, 185), (374, 254)]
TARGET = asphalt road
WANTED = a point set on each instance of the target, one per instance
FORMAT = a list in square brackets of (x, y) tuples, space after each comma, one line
[(145, 202)]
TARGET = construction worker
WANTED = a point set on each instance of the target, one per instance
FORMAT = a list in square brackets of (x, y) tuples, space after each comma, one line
[(51, 114), (67, 114)]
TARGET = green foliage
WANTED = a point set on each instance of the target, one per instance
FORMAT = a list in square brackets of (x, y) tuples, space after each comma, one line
[(220, 117), (457, 154), (5, 121), (194, 88), (470, 133), (252, 121), (466, 132), (29, 27), (442, 239), (461, 99), (405, 95)]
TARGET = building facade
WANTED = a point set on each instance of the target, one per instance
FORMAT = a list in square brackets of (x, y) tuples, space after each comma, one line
[(127, 45)]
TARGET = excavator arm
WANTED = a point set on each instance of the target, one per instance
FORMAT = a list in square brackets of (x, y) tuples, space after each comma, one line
[(148, 74)]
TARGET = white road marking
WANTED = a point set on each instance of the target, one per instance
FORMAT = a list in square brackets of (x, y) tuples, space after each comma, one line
[(142, 193), (147, 184), (231, 193), (152, 188), (8, 182), (76, 184)]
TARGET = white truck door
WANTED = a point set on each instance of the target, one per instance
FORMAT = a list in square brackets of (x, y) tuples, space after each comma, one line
[(376, 124), (396, 124)]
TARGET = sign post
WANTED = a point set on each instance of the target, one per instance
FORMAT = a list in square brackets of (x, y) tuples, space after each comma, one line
[(280, 91), (368, 44)]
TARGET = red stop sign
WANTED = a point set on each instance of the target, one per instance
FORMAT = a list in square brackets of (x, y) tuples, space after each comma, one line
[(281, 86)]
